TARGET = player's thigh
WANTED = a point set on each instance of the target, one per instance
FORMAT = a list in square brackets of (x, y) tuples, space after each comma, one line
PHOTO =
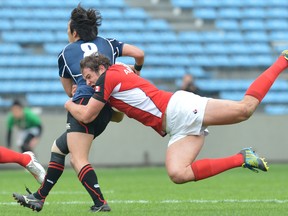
[(183, 152), (221, 112), (79, 144)]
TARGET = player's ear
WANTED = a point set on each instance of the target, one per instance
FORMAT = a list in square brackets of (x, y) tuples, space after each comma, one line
[(75, 34), (101, 69)]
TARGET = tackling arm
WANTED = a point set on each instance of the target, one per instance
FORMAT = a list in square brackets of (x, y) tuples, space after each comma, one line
[(85, 113)]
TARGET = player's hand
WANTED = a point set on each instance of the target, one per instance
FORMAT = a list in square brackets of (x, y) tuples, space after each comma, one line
[(67, 104), (74, 88), (135, 71)]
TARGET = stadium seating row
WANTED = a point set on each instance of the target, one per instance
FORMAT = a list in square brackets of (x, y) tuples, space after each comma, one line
[(240, 13), (190, 4), (242, 30)]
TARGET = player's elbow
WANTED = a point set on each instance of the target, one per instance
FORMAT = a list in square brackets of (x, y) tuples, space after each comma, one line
[(87, 118)]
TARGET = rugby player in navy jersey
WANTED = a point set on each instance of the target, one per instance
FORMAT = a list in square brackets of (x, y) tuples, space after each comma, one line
[(84, 40)]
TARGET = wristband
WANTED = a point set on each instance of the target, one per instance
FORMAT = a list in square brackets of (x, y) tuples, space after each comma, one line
[(137, 67)]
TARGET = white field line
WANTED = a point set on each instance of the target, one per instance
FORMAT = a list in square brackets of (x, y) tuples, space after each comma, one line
[(198, 201), (276, 201)]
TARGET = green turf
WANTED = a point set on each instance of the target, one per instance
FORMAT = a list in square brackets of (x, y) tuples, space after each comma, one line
[(148, 191)]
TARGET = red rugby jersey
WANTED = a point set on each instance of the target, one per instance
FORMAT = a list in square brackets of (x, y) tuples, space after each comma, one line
[(133, 95)]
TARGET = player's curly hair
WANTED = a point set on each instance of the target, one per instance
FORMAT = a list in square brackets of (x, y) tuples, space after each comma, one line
[(85, 22), (93, 62)]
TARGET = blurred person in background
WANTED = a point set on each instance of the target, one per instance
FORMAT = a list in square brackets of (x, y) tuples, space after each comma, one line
[(183, 115), (188, 84), (28, 125), (84, 40), (26, 160)]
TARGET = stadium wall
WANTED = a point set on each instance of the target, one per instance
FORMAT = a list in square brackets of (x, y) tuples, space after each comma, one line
[(130, 144)]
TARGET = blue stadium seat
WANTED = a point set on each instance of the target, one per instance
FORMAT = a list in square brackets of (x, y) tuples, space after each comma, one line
[(205, 13), (238, 48), (111, 14), (252, 25), (278, 36), (28, 60), (234, 36), (255, 3), (197, 72), (184, 4), (263, 60), (215, 48), (242, 61), (276, 109), (157, 25), (54, 48), (254, 13), (39, 24), (28, 73), (277, 13), (194, 48), (227, 25), (278, 3), (223, 84), (188, 37), (207, 3), (230, 4), (163, 72), (135, 13), (277, 24), (10, 48), (229, 13), (31, 37), (5, 24), (175, 49), (46, 100), (256, 36), (155, 49), (256, 48), (213, 36), (10, 87)]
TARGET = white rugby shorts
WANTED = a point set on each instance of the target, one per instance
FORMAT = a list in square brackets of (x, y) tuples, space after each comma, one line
[(184, 115)]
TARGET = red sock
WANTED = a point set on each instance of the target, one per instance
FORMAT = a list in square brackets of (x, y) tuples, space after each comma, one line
[(10, 156), (206, 168), (263, 83)]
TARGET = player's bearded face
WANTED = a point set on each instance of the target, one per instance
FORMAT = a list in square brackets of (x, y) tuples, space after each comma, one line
[(90, 76)]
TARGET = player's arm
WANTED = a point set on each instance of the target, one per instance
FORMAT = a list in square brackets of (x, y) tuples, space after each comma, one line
[(68, 84), (85, 113), (136, 53)]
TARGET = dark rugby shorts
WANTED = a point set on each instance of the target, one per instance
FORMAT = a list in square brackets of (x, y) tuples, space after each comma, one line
[(96, 127)]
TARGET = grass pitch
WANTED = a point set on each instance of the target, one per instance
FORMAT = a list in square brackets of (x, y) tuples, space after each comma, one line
[(148, 191)]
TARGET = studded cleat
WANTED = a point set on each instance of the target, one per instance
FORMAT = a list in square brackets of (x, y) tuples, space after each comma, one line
[(252, 161)]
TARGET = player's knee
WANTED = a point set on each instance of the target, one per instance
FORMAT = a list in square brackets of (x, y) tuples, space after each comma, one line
[(176, 177), (245, 113)]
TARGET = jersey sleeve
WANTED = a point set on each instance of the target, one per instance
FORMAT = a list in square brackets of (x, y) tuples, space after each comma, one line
[(117, 46), (99, 89), (62, 66)]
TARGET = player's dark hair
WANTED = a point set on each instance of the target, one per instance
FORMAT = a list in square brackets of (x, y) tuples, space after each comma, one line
[(94, 61), (17, 103), (85, 22)]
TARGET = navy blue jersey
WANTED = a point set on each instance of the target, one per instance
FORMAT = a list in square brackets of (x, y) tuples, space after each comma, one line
[(70, 57)]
